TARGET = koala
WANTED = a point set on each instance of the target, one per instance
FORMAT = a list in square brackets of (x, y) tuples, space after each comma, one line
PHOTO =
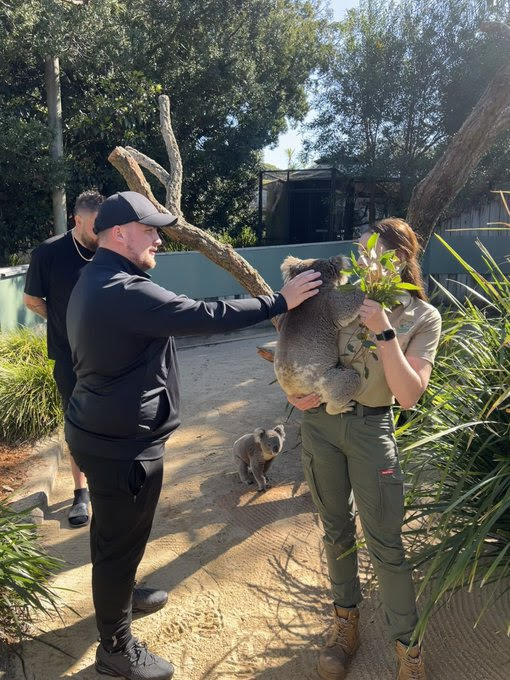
[(256, 451), (306, 358)]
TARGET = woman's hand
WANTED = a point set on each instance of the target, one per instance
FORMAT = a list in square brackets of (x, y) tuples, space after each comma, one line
[(304, 402), (374, 317)]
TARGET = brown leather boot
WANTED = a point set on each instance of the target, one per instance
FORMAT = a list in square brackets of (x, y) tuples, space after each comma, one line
[(343, 642), (410, 663)]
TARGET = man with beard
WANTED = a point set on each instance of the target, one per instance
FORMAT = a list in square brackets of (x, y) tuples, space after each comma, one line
[(126, 404)]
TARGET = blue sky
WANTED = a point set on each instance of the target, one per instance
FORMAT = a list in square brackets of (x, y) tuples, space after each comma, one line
[(292, 139)]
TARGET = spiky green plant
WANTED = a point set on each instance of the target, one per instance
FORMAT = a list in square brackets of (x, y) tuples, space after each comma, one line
[(24, 573), (456, 447), (30, 405)]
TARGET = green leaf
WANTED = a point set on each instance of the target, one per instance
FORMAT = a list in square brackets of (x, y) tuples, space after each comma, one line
[(372, 241), (407, 286), (350, 347)]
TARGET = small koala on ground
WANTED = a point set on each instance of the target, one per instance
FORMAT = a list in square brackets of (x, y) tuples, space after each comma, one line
[(255, 452), (306, 359)]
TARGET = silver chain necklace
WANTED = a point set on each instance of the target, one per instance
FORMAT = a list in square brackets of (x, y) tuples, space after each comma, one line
[(87, 259)]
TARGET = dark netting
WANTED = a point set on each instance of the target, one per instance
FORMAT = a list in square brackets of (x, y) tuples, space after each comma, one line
[(320, 204)]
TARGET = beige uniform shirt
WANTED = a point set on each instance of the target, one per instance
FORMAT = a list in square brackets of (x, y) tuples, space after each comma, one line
[(417, 325)]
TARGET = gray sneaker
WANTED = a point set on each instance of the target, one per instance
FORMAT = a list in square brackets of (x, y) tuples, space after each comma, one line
[(148, 600), (134, 662)]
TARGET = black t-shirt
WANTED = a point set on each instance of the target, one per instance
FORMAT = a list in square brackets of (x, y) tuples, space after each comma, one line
[(55, 266)]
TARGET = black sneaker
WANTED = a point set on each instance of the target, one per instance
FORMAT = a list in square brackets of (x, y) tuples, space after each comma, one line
[(148, 600), (134, 662)]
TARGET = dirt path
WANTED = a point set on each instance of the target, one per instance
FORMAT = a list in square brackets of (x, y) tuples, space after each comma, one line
[(247, 582)]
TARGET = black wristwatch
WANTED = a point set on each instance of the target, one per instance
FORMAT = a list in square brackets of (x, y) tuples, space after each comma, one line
[(388, 334)]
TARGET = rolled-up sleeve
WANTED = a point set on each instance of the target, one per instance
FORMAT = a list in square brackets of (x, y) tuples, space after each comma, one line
[(423, 344)]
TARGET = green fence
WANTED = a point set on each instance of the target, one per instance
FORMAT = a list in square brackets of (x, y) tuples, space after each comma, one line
[(192, 274), (12, 310)]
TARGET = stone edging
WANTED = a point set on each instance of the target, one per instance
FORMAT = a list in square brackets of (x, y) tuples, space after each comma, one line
[(35, 493)]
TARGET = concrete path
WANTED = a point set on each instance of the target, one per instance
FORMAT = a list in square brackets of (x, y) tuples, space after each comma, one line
[(245, 571)]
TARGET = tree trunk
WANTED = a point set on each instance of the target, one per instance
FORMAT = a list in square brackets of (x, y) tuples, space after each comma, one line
[(52, 77), (488, 119)]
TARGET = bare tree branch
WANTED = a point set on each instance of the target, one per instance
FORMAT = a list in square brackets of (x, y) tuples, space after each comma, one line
[(173, 196), (189, 235), (488, 119), (124, 162), (150, 165)]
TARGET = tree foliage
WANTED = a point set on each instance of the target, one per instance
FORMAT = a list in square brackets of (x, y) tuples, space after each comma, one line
[(234, 76), (402, 78)]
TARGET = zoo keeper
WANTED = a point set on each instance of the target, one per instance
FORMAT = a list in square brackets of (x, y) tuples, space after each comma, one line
[(126, 404), (353, 457)]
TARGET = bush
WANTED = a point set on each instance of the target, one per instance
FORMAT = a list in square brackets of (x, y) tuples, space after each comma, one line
[(24, 573), (456, 447), (30, 405), (244, 238)]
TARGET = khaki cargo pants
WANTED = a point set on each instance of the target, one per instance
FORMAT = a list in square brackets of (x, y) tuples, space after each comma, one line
[(354, 457)]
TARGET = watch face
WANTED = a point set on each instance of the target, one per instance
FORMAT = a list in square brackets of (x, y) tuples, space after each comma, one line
[(388, 334)]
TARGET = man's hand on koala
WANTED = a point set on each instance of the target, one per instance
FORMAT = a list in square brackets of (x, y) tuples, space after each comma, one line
[(301, 287), (304, 402)]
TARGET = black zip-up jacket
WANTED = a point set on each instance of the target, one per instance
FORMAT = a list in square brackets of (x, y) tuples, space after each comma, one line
[(121, 325)]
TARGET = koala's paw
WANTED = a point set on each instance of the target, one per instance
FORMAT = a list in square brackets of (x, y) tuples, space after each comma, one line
[(334, 409), (262, 489)]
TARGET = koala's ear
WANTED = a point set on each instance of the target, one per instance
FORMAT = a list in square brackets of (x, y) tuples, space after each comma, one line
[(289, 266), (280, 429), (340, 262), (257, 434)]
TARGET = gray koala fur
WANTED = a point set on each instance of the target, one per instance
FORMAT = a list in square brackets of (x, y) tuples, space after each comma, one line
[(306, 357), (256, 451)]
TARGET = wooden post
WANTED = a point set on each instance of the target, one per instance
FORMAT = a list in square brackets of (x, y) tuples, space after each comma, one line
[(52, 77)]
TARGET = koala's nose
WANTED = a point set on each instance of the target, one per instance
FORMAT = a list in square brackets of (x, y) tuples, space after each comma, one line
[(275, 449)]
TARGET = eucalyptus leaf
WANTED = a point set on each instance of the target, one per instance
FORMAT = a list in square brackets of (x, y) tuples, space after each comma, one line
[(407, 286), (372, 241)]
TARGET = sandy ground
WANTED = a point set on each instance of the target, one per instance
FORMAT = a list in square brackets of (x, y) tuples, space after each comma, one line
[(245, 571)]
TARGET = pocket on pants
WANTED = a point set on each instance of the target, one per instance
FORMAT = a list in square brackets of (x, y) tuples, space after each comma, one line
[(391, 490), (135, 477), (307, 460)]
